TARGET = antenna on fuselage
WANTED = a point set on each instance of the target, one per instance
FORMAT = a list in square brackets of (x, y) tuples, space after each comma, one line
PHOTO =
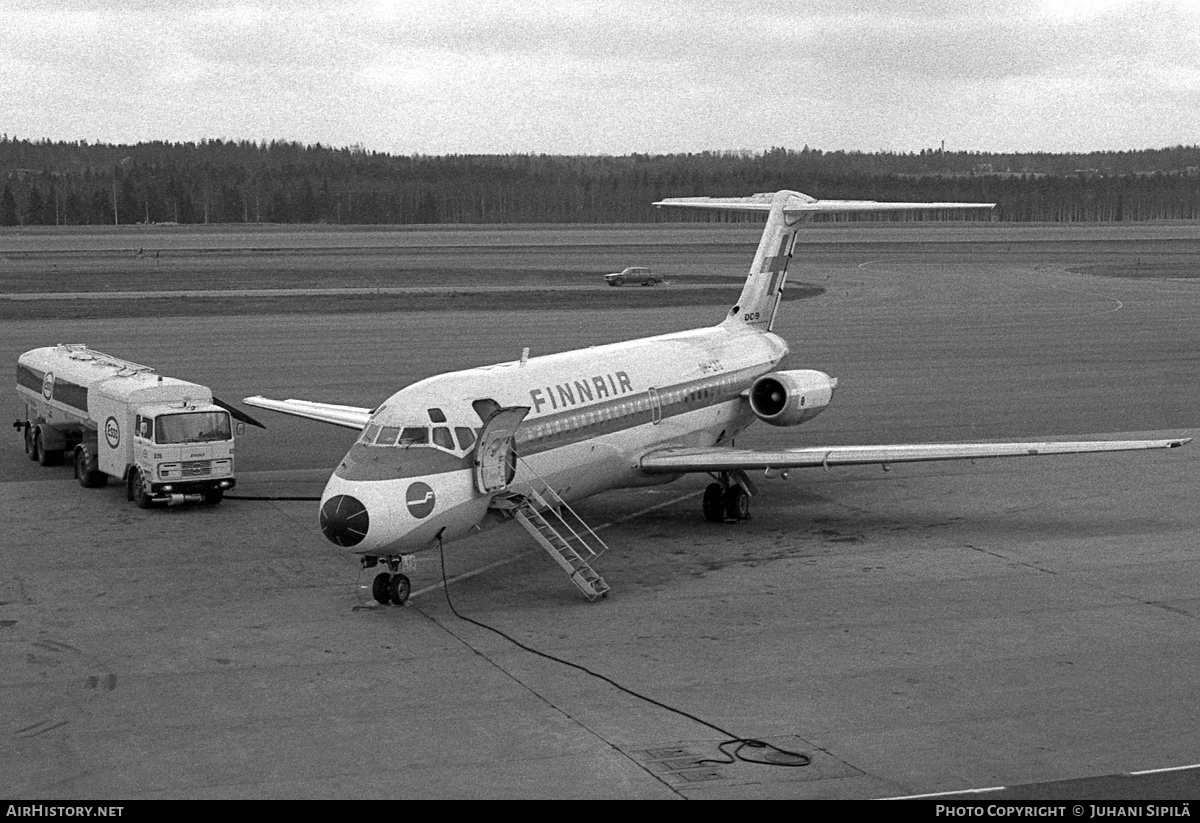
[(524, 355)]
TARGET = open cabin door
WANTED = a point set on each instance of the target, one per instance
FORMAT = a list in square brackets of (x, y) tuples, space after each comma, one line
[(495, 456)]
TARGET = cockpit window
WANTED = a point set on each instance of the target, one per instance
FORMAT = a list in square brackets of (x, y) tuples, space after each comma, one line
[(466, 437), (442, 438), (437, 416), (414, 436)]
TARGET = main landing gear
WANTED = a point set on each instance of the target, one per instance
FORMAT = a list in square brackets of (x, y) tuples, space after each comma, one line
[(726, 500), (391, 586)]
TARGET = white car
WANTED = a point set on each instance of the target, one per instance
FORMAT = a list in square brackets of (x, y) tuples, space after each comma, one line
[(633, 274)]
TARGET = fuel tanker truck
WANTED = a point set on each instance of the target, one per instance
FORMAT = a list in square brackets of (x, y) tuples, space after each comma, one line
[(166, 439)]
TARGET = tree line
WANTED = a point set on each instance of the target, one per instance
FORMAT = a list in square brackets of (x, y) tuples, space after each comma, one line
[(218, 181)]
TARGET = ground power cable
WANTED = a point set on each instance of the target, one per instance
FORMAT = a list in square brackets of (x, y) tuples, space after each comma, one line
[(777, 756), (272, 497)]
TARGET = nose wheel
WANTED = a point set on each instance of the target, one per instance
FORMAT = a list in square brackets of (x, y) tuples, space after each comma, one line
[(391, 586)]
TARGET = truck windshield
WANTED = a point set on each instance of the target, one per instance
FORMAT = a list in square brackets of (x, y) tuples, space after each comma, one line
[(193, 427)]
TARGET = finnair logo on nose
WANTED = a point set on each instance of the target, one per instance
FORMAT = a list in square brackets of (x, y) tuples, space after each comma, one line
[(420, 500)]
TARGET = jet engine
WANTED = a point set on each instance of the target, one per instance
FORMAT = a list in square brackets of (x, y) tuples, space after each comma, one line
[(788, 398)]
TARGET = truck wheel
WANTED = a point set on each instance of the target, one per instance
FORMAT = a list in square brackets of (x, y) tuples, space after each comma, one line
[(44, 457), (141, 494), (214, 496), (87, 478), (81, 467), (30, 446)]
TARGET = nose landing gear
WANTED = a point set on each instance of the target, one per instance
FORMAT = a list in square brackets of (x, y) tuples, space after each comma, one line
[(391, 586)]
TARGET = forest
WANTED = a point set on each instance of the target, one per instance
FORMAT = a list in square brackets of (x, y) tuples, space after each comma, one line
[(44, 182)]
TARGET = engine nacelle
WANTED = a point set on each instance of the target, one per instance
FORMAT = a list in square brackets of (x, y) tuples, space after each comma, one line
[(788, 398)]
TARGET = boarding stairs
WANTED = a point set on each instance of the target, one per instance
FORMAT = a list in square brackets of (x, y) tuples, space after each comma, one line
[(559, 530)]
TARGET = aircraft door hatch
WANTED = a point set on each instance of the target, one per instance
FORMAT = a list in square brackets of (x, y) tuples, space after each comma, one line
[(495, 456)]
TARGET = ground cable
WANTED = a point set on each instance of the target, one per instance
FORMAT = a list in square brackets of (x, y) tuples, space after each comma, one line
[(781, 757)]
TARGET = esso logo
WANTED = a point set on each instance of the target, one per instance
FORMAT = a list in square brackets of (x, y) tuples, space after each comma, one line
[(112, 432), (48, 385), (420, 500)]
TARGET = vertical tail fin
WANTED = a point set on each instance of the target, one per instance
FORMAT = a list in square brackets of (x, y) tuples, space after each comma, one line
[(786, 212), (760, 296)]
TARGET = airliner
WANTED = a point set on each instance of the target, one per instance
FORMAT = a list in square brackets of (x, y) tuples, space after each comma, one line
[(460, 452)]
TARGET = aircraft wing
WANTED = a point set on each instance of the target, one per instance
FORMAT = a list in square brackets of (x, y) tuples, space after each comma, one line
[(350, 417), (713, 459)]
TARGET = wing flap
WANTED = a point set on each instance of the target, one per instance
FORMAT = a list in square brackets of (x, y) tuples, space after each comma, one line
[(679, 460), (350, 417)]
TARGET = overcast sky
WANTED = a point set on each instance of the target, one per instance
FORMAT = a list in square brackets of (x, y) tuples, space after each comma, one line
[(607, 76)]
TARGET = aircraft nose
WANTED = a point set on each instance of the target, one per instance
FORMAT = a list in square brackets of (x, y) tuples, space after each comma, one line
[(344, 520)]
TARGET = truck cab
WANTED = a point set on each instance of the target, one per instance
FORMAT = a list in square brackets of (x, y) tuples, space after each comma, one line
[(179, 450)]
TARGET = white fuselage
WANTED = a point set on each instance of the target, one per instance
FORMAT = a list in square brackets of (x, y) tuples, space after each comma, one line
[(592, 414)]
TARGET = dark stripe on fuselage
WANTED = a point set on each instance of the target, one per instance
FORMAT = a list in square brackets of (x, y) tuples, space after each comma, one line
[(554, 430)]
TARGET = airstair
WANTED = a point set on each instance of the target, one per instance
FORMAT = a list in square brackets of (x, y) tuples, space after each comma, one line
[(559, 530)]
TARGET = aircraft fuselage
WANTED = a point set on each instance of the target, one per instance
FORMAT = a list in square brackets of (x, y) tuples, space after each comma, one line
[(592, 413)]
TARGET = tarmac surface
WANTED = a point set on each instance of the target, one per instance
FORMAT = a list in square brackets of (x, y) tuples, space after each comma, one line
[(936, 628)]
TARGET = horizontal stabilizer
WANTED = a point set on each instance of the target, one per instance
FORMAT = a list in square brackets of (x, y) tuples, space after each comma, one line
[(799, 205), (350, 417), (714, 459)]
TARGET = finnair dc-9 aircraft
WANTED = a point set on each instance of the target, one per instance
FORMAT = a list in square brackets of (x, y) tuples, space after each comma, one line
[(463, 451)]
